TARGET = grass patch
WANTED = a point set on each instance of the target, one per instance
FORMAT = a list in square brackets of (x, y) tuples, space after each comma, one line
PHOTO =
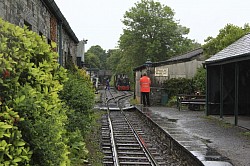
[(98, 98), (93, 141), (247, 134), (208, 117), (221, 123), (225, 124), (134, 101)]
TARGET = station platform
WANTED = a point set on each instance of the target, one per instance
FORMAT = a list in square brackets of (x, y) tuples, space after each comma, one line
[(214, 141)]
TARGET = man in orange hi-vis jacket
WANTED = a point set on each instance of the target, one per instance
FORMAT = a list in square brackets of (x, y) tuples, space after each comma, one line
[(145, 83)]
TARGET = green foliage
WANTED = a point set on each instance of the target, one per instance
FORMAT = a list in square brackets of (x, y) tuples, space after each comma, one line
[(152, 32), (29, 85), (92, 60), (78, 151), (43, 125), (93, 140), (172, 101), (97, 57), (78, 94), (199, 80), (114, 59), (176, 86), (247, 134), (229, 34), (13, 149)]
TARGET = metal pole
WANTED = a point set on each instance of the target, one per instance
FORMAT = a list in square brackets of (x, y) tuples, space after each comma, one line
[(221, 91), (134, 83), (207, 94), (236, 95)]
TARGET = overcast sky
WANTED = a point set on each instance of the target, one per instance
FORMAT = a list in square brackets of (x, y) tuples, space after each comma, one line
[(99, 21)]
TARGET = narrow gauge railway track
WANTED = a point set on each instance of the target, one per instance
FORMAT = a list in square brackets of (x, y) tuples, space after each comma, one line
[(122, 143), (116, 99)]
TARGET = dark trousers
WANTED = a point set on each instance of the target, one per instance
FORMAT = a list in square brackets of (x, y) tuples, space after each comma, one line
[(145, 98)]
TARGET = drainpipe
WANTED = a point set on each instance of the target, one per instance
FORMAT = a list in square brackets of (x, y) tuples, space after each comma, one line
[(60, 49)]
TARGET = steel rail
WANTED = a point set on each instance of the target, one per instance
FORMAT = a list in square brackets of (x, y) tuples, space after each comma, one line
[(136, 135), (113, 144), (112, 138), (144, 148)]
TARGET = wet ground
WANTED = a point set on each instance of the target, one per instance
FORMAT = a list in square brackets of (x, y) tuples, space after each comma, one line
[(215, 142)]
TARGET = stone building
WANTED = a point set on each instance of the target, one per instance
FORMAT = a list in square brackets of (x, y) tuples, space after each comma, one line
[(45, 18)]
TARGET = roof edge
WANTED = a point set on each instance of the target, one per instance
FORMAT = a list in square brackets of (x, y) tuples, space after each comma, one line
[(58, 14), (228, 60)]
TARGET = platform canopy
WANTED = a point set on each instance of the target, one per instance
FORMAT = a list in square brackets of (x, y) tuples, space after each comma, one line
[(228, 80)]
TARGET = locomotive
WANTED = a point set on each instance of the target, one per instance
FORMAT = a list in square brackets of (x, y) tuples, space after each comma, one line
[(121, 82)]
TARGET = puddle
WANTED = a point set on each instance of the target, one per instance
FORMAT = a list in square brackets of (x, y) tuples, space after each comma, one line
[(173, 120)]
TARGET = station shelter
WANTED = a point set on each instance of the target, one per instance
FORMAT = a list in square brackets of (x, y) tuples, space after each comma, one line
[(228, 82)]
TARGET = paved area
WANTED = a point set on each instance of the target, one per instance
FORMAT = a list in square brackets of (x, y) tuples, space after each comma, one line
[(214, 141)]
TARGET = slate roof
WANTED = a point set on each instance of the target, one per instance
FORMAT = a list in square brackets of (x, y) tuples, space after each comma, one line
[(239, 49)]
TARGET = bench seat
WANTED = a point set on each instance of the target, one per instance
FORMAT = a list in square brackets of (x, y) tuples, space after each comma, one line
[(194, 102)]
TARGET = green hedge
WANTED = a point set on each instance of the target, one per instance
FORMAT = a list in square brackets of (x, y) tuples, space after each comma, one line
[(176, 86), (31, 88), (200, 80), (78, 94)]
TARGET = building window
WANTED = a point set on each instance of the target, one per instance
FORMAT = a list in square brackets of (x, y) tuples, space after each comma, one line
[(79, 62), (49, 41), (28, 25), (41, 34)]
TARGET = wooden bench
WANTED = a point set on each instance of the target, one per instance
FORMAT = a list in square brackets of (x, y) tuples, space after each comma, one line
[(194, 102)]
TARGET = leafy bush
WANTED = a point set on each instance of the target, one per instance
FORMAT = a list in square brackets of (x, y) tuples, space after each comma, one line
[(44, 125), (176, 86), (30, 82), (172, 101), (78, 94), (200, 80), (13, 150)]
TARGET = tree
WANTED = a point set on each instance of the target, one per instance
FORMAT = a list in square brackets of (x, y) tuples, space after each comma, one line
[(229, 34), (114, 57), (92, 60), (99, 53), (151, 32)]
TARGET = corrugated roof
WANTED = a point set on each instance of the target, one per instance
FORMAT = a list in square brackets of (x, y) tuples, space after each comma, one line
[(188, 55), (184, 57), (238, 49)]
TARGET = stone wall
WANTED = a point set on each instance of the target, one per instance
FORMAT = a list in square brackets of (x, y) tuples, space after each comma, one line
[(35, 15)]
